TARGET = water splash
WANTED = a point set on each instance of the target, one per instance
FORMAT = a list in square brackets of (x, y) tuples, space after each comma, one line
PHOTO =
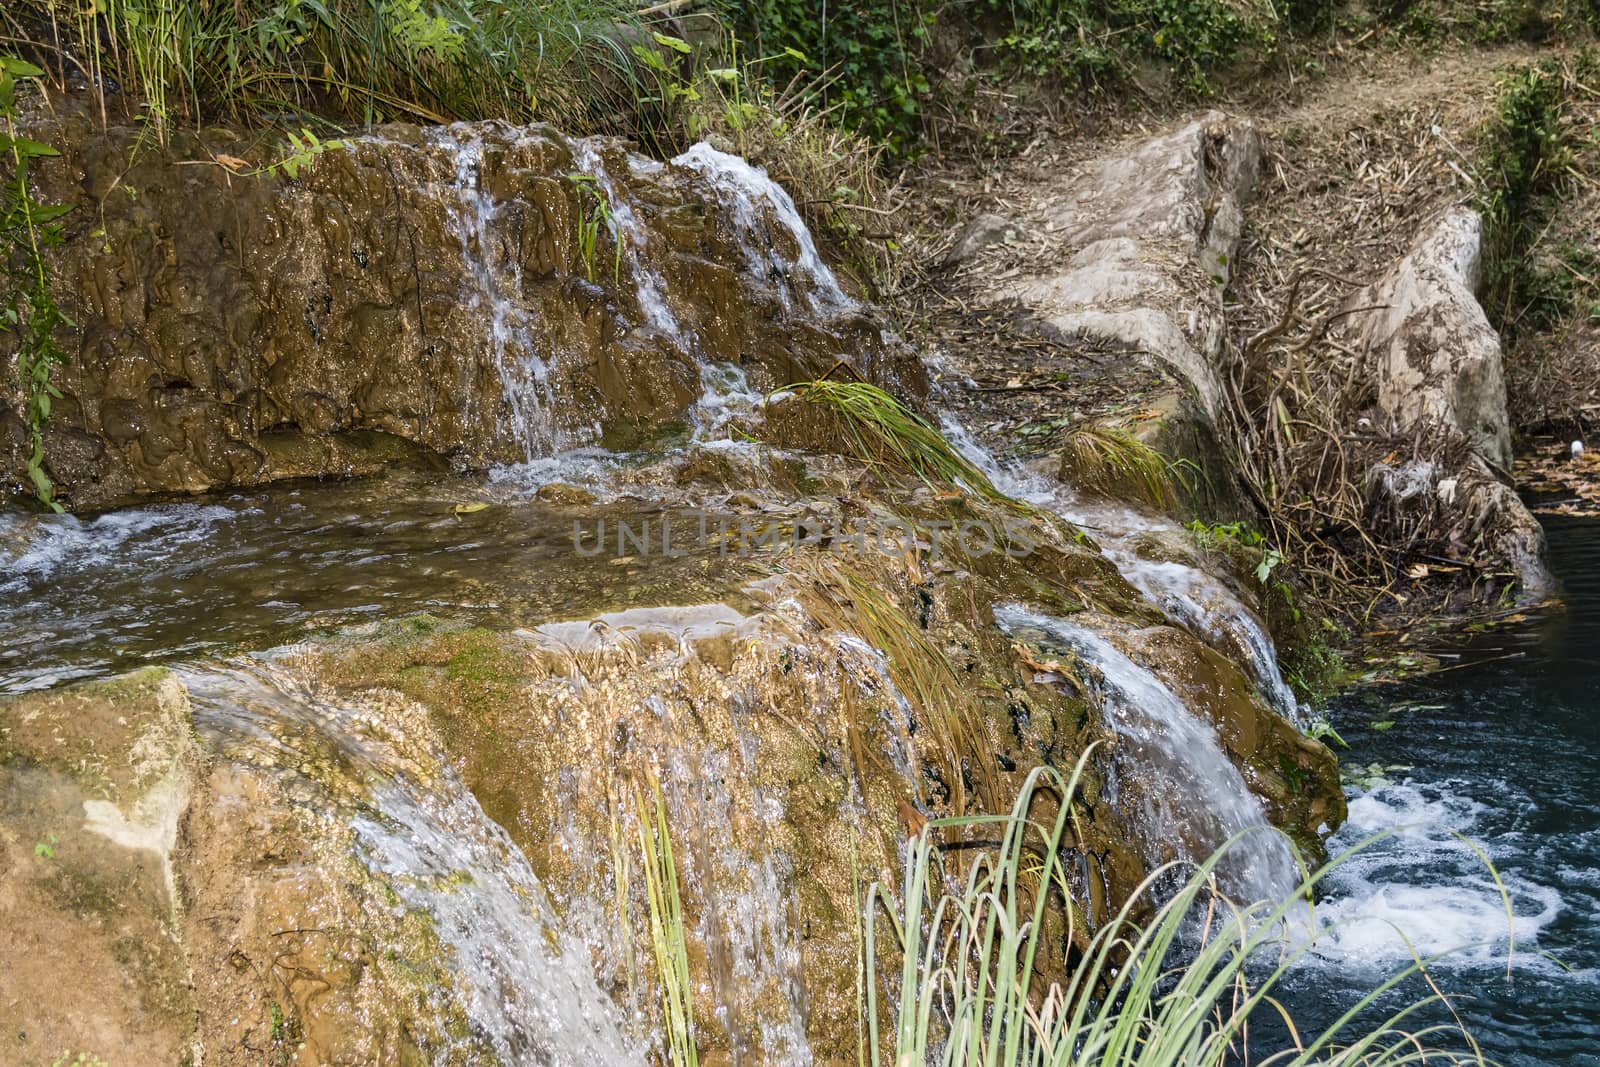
[(753, 199), (1189, 795), (527, 987), (726, 396), (1375, 918)]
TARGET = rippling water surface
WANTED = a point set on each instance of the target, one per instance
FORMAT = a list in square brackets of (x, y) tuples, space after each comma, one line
[(1504, 751)]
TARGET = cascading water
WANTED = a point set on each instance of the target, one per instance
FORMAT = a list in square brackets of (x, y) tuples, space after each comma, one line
[(752, 199), (497, 283), (1190, 597), (626, 231), (527, 989), (1190, 795), (1205, 606)]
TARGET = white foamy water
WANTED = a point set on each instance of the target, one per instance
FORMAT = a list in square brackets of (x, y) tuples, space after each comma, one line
[(594, 469), (1190, 797), (1424, 889), (726, 395), (35, 547), (1205, 606), (752, 200)]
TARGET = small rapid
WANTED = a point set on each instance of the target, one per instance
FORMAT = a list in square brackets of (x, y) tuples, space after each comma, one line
[(1488, 765), (1171, 773)]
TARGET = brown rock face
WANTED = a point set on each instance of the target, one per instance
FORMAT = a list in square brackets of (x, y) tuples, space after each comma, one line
[(483, 291)]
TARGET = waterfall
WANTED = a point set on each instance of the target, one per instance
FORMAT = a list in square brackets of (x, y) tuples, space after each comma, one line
[(496, 293), (752, 198), (626, 231), (1188, 794), (1191, 598), (526, 987)]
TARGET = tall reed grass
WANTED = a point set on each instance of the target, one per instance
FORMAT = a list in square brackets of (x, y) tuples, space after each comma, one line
[(1181, 988), (352, 60)]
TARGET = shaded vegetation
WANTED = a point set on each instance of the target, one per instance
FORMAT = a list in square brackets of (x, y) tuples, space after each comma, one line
[(29, 313), (1534, 153)]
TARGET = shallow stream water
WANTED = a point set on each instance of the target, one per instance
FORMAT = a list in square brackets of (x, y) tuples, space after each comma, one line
[(1500, 751)]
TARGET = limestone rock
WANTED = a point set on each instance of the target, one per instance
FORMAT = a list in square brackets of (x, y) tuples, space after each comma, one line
[(1437, 363), (1435, 354), (983, 231), (1149, 237)]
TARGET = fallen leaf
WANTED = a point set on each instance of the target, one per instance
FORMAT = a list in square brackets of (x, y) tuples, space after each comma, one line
[(469, 509), (233, 163)]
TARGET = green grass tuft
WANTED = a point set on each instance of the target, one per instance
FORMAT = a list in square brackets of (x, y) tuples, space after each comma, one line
[(1178, 989), (886, 434), (1110, 461)]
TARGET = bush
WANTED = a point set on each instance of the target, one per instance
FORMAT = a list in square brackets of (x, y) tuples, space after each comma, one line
[(863, 59)]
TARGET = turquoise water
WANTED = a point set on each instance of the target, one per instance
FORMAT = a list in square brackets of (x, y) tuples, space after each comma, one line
[(1504, 750)]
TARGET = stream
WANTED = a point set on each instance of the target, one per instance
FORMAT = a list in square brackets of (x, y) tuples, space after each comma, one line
[(1500, 751)]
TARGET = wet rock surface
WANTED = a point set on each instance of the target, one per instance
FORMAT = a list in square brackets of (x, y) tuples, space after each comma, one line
[(460, 288)]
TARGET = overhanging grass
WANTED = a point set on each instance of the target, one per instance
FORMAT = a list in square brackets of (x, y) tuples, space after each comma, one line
[(1180, 989), (885, 433), (1108, 460)]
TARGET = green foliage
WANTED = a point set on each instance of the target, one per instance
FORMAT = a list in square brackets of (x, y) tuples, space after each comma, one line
[(864, 58), (594, 217), (885, 433), (1532, 146), (973, 988), (68, 1058), (1091, 44), (304, 148), (1112, 461), (46, 849), (869, 61), (29, 314), (360, 60)]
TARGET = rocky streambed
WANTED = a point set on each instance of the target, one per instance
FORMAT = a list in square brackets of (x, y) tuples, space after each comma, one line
[(376, 770)]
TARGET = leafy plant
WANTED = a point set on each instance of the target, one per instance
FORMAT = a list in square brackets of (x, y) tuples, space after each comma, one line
[(68, 1058), (30, 314), (46, 849), (867, 59), (1182, 988), (1532, 151), (595, 216), (361, 60)]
